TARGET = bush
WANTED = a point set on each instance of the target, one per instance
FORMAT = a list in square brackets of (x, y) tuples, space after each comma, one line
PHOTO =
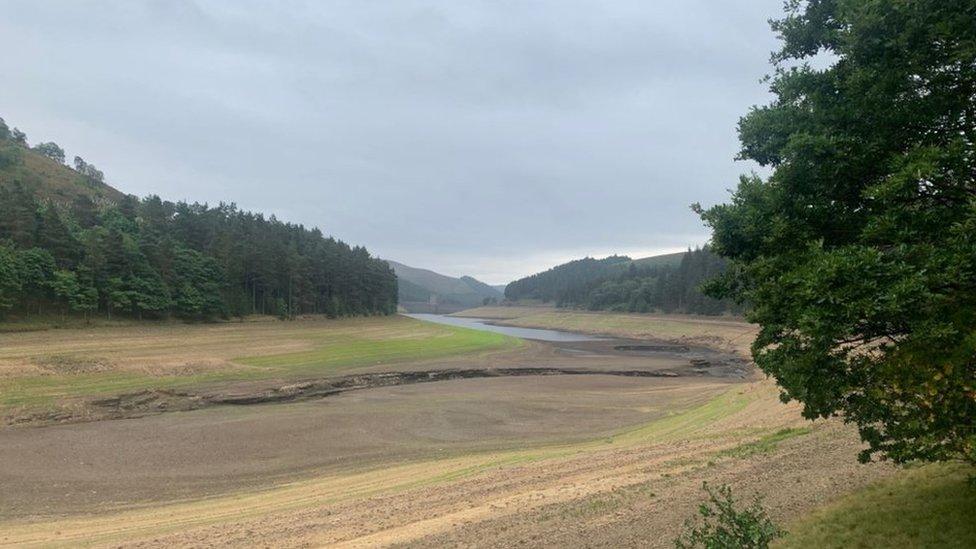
[(722, 526)]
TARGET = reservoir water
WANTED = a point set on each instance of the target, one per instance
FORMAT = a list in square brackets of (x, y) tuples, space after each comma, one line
[(524, 333)]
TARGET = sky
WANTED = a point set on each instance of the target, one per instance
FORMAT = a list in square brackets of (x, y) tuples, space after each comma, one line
[(493, 138)]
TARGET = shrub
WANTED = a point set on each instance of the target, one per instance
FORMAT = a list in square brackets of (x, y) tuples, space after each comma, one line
[(722, 526)]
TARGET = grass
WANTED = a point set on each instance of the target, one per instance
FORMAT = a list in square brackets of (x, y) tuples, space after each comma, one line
[(37, 323), (350, 352), (230, 352), (930, 506), (51, 180), (682, 425), (766, 444)]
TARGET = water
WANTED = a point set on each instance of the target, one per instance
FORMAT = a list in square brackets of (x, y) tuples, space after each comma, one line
[(524, 333)]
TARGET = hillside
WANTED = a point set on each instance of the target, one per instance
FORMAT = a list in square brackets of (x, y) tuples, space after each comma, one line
[(665, 283), (47, 178), (672, 260), (562, 281), (72, 244), (423, 290)]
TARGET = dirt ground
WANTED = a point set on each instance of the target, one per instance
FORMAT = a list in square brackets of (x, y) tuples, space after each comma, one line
[(540, 460), (102, 464)]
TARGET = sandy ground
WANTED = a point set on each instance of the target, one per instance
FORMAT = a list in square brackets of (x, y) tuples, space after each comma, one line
[(107, 464), (631, 492), (591, 460)]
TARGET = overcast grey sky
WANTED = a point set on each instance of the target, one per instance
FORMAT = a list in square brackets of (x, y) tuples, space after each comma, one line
[(491, 138)]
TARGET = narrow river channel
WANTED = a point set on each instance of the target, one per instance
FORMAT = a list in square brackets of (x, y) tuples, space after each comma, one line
[(524, 333)]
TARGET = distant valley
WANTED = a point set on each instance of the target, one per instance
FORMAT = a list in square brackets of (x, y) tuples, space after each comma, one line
[(424, 291)]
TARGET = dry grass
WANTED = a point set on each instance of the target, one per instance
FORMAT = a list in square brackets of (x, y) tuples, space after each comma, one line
[(722, 332), (41, 369)]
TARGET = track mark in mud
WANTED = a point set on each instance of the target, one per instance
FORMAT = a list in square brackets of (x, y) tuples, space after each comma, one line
[(654, 348), (156, 401)]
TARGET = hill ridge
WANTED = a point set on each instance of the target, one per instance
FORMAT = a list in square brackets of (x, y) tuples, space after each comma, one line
[(425, 290)]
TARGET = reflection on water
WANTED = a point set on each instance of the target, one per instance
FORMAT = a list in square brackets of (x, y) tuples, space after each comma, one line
[(524, 333)]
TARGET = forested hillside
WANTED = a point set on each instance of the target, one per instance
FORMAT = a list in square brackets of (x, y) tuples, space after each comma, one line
[(71, 243), (564, 283), (663, 283)]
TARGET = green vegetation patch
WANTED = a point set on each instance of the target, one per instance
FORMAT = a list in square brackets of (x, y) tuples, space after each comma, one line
[(355, 351), (932, 506), (685, 424), (766, 444)]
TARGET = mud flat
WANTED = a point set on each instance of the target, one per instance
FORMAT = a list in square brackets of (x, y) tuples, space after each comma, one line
[(587, 441), (162, 444)]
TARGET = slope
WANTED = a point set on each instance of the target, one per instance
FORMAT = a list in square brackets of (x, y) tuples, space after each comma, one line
[(423, 290)]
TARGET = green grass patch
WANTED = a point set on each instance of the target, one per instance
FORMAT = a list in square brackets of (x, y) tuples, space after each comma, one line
[(352, 352), (683, 424), (930, 506), (764, 445)]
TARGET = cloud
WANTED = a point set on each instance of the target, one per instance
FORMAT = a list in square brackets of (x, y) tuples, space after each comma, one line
[(450, 135)]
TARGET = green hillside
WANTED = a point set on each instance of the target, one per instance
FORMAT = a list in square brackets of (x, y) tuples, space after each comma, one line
[(666, 283), (417, 286), (48, 179), (408, 291), (480, 287), (672, 260), (70, 244)]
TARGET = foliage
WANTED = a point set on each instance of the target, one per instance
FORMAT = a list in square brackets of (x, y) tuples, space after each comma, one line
[(564, 282), (9, 155), (858, 253), (9, 278), (197, 282), (51, 150), (722, 526), (79, 294), (155, 258), (88, 170), (619, 284)]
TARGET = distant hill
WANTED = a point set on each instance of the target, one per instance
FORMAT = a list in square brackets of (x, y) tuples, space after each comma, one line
[(672, 260), (560, 282), (668, 283), (420, 289)]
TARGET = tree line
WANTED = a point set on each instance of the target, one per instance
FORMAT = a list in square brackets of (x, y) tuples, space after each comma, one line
[(564, 283), (617, 283), (154, 258)]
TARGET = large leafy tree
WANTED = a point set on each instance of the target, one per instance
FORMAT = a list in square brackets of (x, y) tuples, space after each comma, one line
[(51, 150), (10, 282), (858, 252), (198, 285)]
